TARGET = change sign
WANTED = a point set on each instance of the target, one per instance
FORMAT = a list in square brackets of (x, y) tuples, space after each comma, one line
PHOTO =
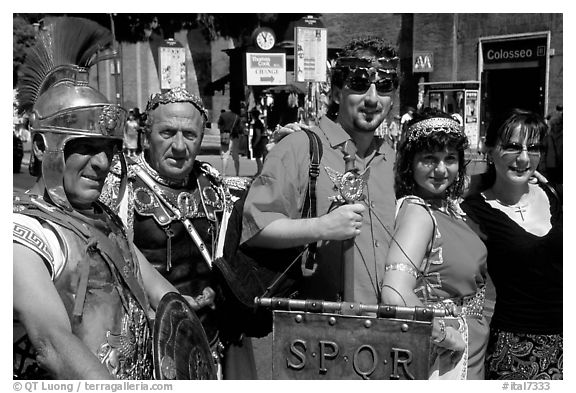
[(263, 69)]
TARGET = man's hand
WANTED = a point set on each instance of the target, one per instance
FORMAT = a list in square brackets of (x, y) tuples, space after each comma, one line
[(453, 345), (206, 299), (343, 223), (282, 131), (537, 177)]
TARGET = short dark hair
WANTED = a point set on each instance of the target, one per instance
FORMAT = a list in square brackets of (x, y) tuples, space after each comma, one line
[(434, 141), (503, 125), (379, 46)]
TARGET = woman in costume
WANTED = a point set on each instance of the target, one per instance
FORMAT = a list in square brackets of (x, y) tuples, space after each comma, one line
[(435, 259), (521, 225)]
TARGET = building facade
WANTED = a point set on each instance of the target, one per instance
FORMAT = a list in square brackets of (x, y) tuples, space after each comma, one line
[(493, 61)]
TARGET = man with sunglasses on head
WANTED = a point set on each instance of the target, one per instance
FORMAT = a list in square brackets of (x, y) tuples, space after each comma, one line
[(364, 82)]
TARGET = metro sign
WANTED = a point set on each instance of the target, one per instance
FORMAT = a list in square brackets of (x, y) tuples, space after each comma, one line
[(265, 69), (422, 61)]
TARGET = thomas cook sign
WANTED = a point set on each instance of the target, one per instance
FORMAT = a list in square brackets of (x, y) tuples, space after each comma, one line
[(263, 69)]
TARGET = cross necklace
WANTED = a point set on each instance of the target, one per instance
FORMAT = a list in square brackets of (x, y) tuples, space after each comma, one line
[(518, 208)]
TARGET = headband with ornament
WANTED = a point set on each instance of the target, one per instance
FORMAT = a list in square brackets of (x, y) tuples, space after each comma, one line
[(175, 95), (426, 127)]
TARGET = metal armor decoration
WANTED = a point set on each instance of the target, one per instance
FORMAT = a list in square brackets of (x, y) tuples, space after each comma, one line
[(181, 349), (350, 187), (350, 184), (54, 88)]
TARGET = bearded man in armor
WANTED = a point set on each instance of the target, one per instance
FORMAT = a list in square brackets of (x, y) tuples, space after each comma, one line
[(83, 294), (176, 209)]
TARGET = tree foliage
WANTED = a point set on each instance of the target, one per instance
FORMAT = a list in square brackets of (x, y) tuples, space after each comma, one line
[(139, 27), (22, 38)]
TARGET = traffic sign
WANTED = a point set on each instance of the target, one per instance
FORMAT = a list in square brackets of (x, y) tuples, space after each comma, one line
[(265, 69)]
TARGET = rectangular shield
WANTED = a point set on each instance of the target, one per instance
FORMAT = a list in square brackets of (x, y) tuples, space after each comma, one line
[(332, 346)]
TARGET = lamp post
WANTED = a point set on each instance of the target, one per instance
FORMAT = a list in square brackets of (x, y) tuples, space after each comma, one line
[(116, 63)]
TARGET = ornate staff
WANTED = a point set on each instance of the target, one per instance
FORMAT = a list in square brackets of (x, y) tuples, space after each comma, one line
[(351, 188)]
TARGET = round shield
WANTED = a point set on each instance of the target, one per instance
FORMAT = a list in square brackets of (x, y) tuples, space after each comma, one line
[(181, 349)]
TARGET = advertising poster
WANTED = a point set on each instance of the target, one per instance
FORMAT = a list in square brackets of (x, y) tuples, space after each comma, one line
[(172, 67), (471, 123), (311, 54)]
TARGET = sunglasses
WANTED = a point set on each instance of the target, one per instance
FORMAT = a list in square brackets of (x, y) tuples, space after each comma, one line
[(533, 149), (359, 80)]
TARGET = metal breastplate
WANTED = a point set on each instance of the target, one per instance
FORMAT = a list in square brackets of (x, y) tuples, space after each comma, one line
[(188, 272), (112, 325), (168, 246)]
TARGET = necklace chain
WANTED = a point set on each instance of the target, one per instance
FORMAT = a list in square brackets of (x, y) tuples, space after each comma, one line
[(518, 207)]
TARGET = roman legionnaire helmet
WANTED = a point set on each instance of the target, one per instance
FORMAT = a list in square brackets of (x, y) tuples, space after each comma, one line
[(54, 89)]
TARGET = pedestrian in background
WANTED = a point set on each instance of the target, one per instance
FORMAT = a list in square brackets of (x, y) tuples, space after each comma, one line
[(394, 131), (230, 127), (406, 117), (259, 140), (553, 157), (130, 140)]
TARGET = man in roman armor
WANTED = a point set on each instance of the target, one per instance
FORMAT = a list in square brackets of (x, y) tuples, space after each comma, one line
[(176, 209), (83, 295)]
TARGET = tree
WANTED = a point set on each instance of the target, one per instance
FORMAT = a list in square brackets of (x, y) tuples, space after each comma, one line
[(144, 27), (22, 39)]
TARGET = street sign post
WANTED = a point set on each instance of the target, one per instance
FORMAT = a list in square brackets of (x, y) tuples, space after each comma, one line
[(265, 69)]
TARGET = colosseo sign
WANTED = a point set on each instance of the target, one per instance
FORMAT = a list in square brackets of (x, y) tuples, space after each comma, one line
[(518, 50)]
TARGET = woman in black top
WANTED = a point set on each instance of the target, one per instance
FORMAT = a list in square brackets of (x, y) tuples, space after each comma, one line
[(259, 140), (521, 225)]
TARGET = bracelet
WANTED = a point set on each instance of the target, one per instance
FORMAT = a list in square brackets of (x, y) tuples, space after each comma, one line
[(442, 324)]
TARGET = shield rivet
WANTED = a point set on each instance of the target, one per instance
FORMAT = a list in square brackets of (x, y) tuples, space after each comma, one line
[(367, 323), (298, 318), (168, 367), (332, 321), (404, 327)]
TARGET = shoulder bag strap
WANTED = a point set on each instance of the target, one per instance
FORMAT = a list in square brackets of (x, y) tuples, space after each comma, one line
[(309, 209)]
